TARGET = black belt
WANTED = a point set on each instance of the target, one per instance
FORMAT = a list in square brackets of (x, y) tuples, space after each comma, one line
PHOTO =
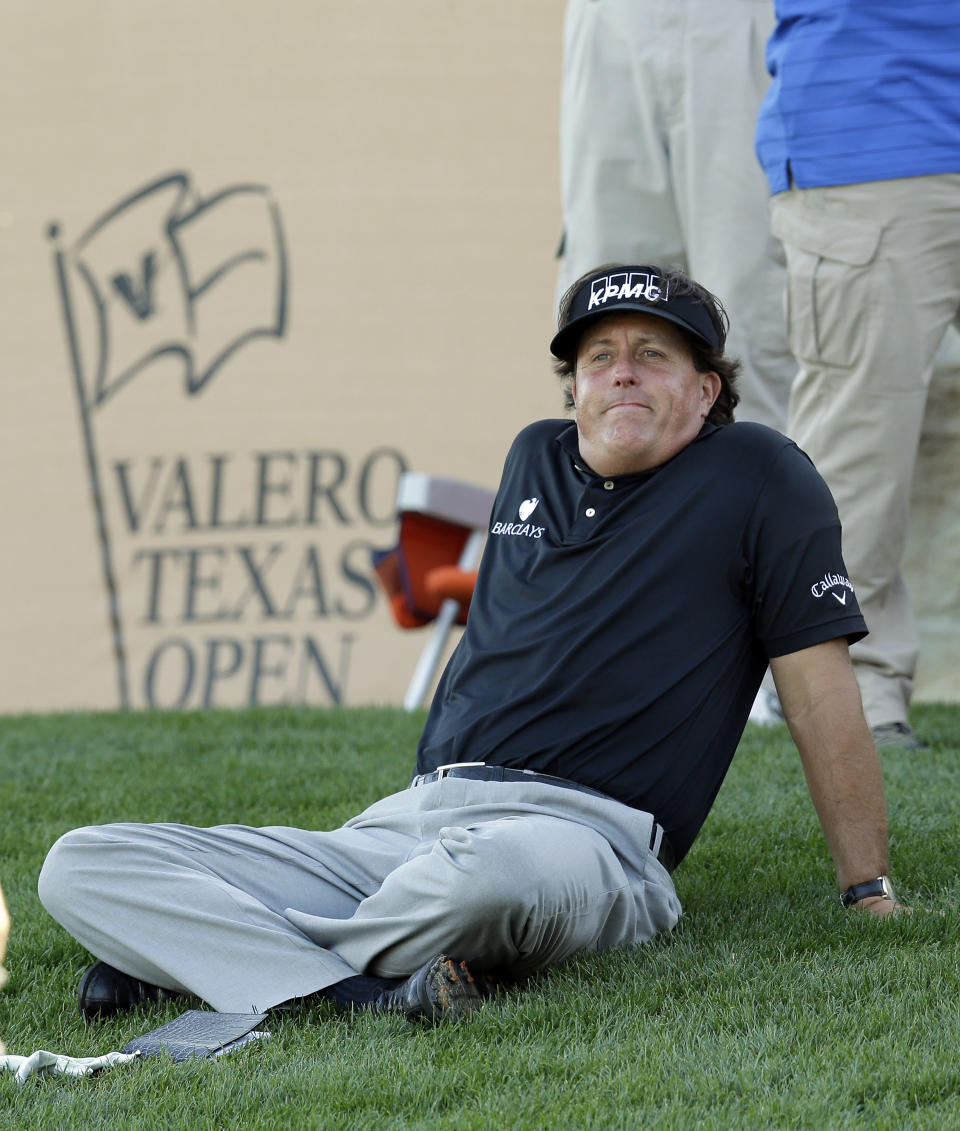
[(480, 771)]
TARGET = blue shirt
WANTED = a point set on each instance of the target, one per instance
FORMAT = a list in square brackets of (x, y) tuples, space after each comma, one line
[(621, 625), (862, 90)]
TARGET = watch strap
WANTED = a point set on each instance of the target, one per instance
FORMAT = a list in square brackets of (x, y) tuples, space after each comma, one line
[(881, 886)]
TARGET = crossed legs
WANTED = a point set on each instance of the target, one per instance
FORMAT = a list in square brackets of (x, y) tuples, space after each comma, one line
[(248, 918)]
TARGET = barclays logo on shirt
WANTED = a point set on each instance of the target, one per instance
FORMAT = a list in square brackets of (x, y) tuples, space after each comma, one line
[(521, 529)]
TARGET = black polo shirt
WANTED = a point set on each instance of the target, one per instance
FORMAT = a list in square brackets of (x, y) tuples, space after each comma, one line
[(621, 626)]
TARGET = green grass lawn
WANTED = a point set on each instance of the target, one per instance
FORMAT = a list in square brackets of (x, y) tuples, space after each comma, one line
[(767, 1007)]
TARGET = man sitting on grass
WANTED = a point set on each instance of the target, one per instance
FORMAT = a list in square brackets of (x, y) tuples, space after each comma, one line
[(644, 564)]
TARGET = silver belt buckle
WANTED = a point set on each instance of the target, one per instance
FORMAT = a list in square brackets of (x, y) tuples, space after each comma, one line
[(442, 771)]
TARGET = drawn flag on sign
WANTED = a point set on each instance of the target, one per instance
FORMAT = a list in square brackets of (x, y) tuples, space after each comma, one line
[(173, 283), (166, 277)]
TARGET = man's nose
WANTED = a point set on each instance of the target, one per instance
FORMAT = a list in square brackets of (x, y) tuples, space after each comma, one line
[(625, 371)]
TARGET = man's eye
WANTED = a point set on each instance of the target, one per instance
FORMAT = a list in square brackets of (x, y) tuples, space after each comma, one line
[(603, 355)]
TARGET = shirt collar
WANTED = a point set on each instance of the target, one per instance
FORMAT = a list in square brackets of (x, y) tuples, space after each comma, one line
[(568, 439)]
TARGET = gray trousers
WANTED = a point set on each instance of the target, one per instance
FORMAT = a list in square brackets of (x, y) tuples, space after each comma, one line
[(506, 875)]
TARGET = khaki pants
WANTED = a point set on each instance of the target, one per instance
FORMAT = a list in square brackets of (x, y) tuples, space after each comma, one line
[(659, 108), (873, 285)]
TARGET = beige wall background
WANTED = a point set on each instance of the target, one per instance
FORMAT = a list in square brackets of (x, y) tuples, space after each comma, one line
[(256, 259)]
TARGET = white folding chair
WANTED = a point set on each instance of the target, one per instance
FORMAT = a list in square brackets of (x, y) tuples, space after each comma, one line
[(459, 515)]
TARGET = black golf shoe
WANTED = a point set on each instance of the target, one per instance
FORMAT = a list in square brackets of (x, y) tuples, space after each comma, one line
[(105, 990), (443, 989)]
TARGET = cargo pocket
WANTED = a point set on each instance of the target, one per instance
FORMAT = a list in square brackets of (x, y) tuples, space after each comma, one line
[(832, 285)]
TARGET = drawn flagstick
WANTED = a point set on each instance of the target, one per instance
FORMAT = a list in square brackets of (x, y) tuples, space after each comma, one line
[(183, 300)]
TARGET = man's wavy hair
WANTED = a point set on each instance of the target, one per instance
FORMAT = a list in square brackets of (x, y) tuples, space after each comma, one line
[(705, 358)]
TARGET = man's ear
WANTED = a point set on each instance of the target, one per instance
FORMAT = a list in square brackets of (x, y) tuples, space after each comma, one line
[(573, 392), (710, 386)]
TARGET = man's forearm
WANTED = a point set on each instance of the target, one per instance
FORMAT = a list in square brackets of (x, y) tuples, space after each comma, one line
[(821, 701), (844, 778)]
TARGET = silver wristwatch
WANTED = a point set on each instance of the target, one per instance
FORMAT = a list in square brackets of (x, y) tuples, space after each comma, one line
[(880, 886)]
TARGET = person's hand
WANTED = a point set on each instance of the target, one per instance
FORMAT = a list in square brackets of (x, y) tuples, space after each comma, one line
[(881, 906)]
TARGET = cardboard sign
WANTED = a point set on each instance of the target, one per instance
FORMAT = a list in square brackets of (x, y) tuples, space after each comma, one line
[(254, 268)]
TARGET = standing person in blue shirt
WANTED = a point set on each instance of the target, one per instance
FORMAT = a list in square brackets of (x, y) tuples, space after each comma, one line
[(860, 139)]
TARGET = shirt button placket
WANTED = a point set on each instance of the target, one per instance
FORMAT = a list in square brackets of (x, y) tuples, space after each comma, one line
[(608, 485), (594, 503)]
